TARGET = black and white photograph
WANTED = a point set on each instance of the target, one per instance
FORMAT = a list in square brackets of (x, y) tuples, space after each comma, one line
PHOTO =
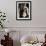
[(23, 10)]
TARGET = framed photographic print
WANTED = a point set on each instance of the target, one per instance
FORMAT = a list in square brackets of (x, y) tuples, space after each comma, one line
[(23, 10)]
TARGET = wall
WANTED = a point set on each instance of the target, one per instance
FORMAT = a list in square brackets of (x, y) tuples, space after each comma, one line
[(17, 35), (38, 22), (38, 14)]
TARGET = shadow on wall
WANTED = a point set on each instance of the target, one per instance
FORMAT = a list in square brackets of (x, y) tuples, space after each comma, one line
[(16, 43)]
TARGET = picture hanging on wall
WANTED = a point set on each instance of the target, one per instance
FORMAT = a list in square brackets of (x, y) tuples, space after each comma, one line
[(23, 10)]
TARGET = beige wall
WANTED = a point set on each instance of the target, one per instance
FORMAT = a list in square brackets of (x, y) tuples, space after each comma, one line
[(17, 35), (38, 22), (38, 14)]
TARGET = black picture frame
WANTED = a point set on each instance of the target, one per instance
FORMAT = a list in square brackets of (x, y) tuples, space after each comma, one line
[(23, 10)]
